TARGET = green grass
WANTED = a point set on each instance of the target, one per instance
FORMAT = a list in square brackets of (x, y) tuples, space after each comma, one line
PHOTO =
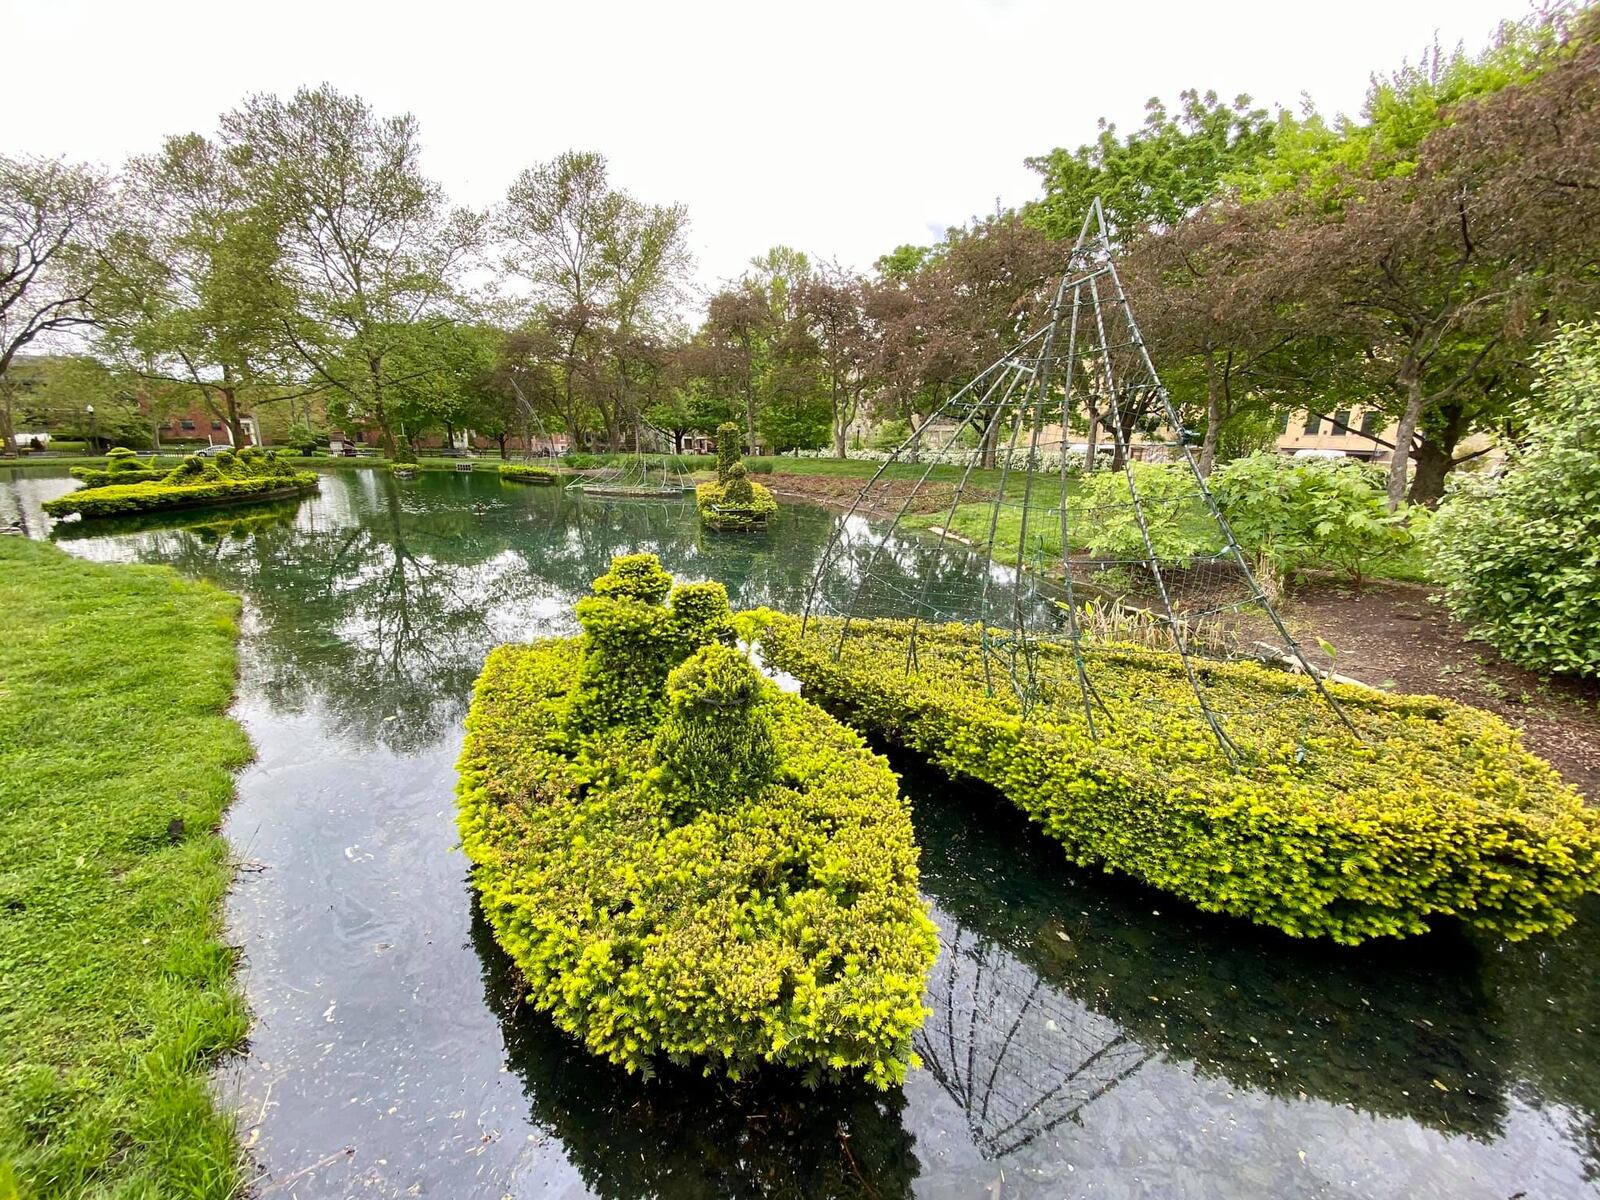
[(116, 988)]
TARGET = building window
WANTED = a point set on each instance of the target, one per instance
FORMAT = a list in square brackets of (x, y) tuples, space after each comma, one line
[(1313, 424), (216, 425), (187, 425), (1369, 422), (1341, 422), (1283, 427)]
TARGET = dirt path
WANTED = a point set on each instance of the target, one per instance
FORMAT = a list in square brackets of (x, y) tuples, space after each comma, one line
[(1394, 637)]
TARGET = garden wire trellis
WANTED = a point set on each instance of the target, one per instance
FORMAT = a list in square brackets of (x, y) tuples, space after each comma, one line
[(1064, 571)]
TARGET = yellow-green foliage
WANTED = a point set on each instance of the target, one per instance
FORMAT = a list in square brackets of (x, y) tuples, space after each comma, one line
[(526, 473), (763, 913), (1438, 811), (195, 482), (739, 505)]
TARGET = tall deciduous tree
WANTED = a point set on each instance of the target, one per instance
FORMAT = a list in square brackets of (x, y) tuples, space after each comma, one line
[(607, 269), (50, 220), (369, 246), (193, 296), (1156, 175)]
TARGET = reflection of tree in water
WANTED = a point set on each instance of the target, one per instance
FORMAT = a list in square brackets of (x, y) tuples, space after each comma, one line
[(681, 1136), (1019, 1055), (1390, 1030)]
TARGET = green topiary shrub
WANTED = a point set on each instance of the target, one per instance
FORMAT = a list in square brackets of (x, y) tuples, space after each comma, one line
[(733, 503), (715, 743), (194, 483), (1436, 812), (526, 473), (727, 449), (682, 861), (1519, 555)]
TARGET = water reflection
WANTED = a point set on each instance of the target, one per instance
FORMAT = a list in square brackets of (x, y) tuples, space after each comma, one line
[(1087, 1037)]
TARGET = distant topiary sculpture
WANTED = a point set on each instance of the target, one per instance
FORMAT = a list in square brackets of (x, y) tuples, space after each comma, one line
[(733, 502)]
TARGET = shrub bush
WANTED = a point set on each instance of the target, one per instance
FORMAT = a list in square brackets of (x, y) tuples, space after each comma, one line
[(728, 447), (1519, 556), (1180, 527), (196, 482), (1293, 514), (1436, 812), (744, 892), (122, 466), (526, 473)]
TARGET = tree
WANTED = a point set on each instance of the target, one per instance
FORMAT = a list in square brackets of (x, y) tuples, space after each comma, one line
[(50, 220), (847, 341), (1209, 297), (369, 247), (608, 271), (1156, 175), (194, 295)]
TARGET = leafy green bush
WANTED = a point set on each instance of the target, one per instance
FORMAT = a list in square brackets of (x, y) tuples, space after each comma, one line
[(1437, 811), (526, 473), (1519, 556), (1292, 514), (1171, 504), (196, 482), (743, 892)]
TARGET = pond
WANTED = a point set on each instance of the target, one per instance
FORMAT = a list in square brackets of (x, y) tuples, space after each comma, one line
[(1088, 1037)]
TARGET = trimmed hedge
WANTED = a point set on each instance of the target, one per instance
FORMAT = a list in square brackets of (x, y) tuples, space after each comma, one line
[(95, 477), (196, 482), (1437, 812), (683, 861), (526, 473)]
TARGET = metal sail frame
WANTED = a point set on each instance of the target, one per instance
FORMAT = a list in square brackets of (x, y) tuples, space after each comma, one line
[(1029, 386)]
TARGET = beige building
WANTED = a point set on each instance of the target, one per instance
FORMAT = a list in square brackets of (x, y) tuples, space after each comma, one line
[(1346, 431)]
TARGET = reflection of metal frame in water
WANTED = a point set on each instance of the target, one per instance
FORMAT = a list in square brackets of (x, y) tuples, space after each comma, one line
[(1019, 1056)]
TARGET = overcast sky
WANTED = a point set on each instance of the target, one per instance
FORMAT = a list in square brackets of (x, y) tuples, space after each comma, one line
[(841, 128)]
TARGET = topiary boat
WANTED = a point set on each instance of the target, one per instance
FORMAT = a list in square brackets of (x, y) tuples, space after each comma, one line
[(248, 477), (684, 861), (1436, 812)]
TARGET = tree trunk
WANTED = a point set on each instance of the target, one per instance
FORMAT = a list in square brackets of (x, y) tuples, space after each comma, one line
[(1208, 446), (1402, 441), (1092, 437), (8, 428), (1436, 453), (375, 368)]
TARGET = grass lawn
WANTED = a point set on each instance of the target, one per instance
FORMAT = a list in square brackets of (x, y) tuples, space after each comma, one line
[(116, 989)]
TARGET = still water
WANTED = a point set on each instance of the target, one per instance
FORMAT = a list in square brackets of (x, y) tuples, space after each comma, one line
[(1088, 1037)]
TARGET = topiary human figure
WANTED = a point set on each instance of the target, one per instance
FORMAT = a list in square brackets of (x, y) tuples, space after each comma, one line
[(631, 640), (716, 742), (736, 488), (727, 450)]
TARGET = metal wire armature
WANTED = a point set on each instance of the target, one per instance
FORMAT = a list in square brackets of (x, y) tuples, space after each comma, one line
[(1060, 511)]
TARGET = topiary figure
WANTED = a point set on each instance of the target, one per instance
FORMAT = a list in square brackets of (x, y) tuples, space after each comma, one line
[(631, 640), (716, 742), (737, 489), (727, 449)]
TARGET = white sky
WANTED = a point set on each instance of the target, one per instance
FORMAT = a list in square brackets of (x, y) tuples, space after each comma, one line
[(843, 129)]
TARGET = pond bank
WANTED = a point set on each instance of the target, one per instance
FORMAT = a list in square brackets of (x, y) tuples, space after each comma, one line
[(116, 988)]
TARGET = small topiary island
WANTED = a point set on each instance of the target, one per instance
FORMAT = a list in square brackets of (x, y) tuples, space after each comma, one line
[(526, 473), (682, 860), (732, 502), (1436, 812), (249, 476)]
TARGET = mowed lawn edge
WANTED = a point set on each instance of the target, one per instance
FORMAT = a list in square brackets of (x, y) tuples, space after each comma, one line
[(117, 990)]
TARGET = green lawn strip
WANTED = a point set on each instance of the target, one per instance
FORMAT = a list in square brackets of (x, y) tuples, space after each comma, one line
[(116, 989)]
